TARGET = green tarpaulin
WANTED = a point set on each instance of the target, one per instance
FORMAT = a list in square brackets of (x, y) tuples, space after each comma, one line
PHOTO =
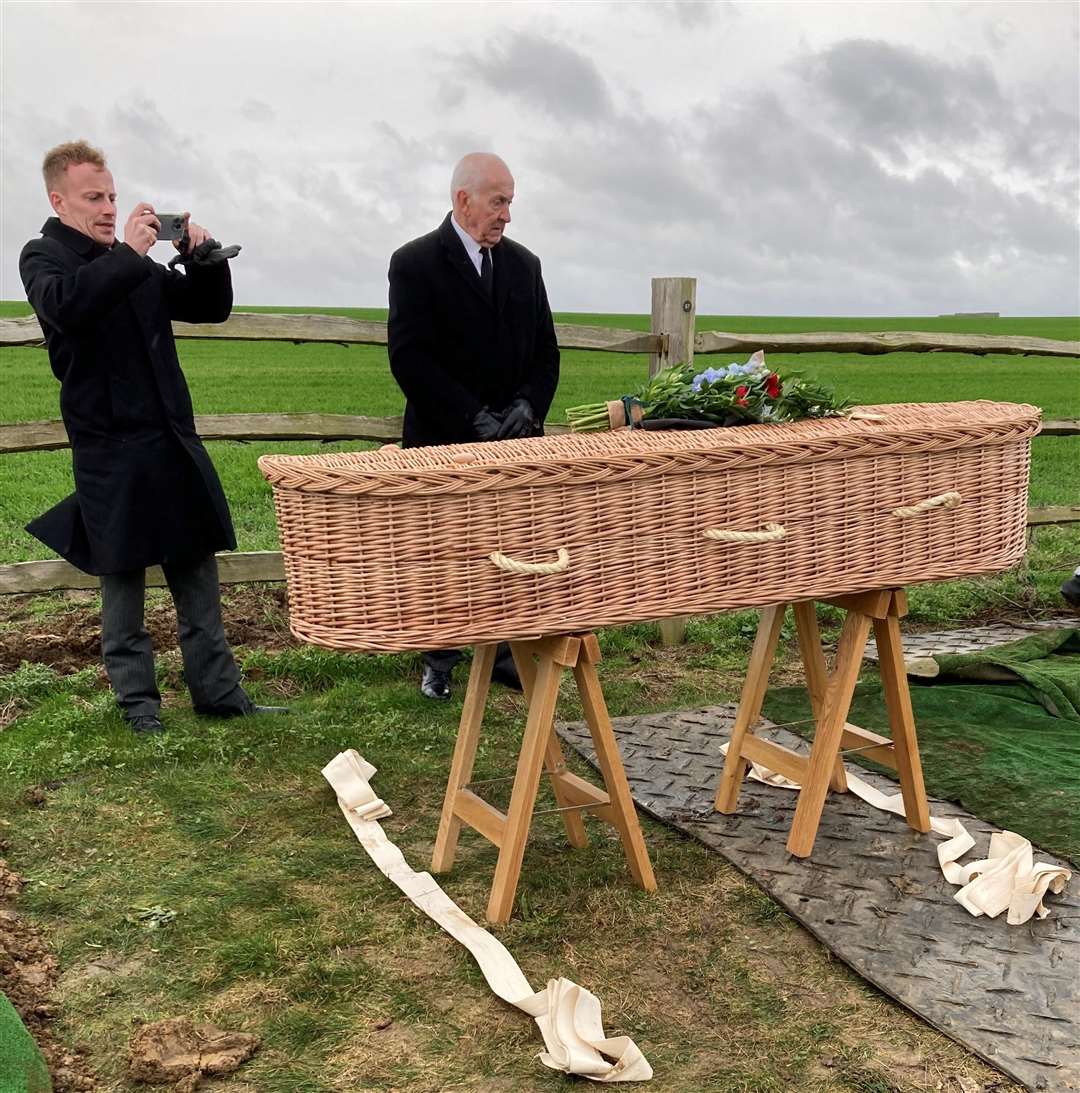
[(22, 1068), (1047, 664), (993, 747)]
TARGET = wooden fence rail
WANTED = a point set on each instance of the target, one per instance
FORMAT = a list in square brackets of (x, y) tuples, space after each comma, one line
[(251, 326), (50, 436)]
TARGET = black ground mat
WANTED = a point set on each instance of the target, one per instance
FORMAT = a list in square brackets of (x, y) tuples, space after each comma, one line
[(873, 893)]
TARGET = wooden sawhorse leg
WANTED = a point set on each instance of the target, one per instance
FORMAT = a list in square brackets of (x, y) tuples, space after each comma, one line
[(830, 699), (540, 664)]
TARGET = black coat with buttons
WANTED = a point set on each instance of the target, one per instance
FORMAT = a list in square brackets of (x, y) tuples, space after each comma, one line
[(146, 492), (454, 351)]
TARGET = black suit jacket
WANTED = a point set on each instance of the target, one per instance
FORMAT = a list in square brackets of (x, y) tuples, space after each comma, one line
[(145, 489), (454, 352)]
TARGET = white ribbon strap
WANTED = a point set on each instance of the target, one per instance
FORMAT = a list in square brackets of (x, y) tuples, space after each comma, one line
[(567, 1015), (770, 534), (1008, 878), (543, 569), (942, 501)]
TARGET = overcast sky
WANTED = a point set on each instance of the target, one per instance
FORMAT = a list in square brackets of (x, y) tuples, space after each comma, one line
[(797, 158)]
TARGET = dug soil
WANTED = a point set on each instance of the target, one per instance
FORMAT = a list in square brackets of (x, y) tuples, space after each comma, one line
[(68, 637), (28, 974)]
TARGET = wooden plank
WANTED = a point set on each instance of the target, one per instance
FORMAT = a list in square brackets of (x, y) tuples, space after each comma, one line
[(252, 326), (1060, 428), (297, 427), (776, 757), (538, 727), (1054, 514), (56, 575), (585, 795), (480, 816), (25, 330), (875, 604), (902, 722), (622, 814), (45, 436), (830, 727), (49, 436), (33, 436), (869, 745), (750, 700), (893, 341), (461, 767), (605, 339)]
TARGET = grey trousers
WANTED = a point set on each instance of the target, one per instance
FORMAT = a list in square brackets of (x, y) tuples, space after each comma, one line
[(210, 669), (443, 660)]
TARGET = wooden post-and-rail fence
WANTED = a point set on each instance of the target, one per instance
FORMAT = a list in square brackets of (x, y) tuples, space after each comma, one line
[(671, 340)]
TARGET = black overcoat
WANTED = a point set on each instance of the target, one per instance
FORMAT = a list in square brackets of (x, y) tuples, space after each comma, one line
[(454, 352), (145, 489)]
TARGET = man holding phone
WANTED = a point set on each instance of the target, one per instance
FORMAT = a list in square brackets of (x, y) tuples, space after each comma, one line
[(146, 492)]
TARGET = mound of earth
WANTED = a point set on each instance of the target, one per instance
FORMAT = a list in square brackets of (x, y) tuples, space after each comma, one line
[(69, 638), (28, 974), (178, 1052)]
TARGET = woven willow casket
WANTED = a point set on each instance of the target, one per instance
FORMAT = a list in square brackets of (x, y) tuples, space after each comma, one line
[(447, 546)]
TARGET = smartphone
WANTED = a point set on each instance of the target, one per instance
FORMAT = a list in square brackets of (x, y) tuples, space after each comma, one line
[(172, 226)]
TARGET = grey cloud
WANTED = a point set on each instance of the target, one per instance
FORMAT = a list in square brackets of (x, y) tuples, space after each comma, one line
[(780, 205), (255, 110), (547, 75), (684, 14), (887, 94)]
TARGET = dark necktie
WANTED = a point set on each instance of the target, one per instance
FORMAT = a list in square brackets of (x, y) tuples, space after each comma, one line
[(485, 271)]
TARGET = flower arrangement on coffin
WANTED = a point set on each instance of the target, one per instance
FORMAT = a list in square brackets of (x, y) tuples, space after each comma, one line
[(686, 398)]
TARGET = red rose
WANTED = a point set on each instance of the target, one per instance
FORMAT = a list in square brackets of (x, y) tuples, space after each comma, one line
[(772, 385), (740, 394)]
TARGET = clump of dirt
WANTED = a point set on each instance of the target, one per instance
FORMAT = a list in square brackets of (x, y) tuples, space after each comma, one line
[(177, 1052), (69, 638), (28, 974)]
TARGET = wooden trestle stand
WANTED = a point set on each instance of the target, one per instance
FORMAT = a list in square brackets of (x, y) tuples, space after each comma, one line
[(830, 699), (540, 664)]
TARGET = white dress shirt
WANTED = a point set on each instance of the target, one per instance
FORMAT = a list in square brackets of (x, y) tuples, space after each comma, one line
[(472, 248)]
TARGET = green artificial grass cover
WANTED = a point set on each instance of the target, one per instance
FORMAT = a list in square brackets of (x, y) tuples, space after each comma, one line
[(993, 747), (22, 1068)]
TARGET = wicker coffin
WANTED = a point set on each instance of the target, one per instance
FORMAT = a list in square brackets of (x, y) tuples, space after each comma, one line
[(446, 546)]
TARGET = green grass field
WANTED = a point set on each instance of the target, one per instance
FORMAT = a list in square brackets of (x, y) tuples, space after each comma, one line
[(282, 927), (247, 377)]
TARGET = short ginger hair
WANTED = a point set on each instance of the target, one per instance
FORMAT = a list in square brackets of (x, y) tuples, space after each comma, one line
[(69, 154)]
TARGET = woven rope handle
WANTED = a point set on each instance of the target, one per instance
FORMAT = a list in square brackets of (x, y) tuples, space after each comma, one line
[(542, 569), (943, 501), (770, 534)]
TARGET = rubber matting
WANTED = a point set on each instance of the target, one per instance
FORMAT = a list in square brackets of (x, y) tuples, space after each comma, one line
[(973, 639), (873, 893)]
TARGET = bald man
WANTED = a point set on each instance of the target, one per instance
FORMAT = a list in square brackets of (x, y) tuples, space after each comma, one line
[(471, 340)]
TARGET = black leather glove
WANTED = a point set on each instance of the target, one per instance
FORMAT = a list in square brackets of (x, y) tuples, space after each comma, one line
[(208, 253), (486, 425), (518, 420)]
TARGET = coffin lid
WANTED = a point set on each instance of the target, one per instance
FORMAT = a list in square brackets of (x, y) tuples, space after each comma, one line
[(869, 431)]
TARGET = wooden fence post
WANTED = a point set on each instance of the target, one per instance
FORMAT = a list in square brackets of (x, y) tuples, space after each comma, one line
[(674, 311)]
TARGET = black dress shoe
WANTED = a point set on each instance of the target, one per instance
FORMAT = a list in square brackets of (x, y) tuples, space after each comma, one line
[(507, 675), (435, 684), (146, 725), (1070, 590)]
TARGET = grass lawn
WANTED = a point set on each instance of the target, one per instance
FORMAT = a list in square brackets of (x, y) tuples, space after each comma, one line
[(283, 927)]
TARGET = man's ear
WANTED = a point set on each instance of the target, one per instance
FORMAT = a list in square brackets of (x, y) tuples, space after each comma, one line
[(56, 200)]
